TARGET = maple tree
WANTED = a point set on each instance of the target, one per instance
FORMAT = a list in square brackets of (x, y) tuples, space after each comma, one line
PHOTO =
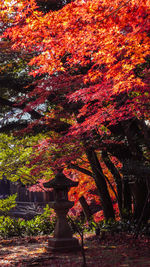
[(92, 69), (14, 75)]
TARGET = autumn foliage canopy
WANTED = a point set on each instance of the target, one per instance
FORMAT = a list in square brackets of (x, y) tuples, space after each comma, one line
[(89, 60), (99, 43)]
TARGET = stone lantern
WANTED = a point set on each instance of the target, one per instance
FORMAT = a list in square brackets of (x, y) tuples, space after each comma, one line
[(62, 239)]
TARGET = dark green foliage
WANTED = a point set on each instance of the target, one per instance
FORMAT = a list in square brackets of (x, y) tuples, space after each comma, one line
[(109, 226)]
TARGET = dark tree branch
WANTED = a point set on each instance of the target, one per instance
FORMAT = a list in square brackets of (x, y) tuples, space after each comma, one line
[(54, 125), (80, 169), (5, 102), (120, 151), (9, 127), (116, 175), (6, 81)]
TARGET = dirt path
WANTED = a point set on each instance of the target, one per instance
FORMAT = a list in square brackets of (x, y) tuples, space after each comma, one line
[(110, 251)]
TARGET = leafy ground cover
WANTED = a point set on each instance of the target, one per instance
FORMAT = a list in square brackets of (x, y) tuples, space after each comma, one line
[(110, 250)]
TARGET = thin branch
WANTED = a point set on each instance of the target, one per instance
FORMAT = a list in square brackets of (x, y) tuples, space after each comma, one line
[(115, 11), (34, 180)]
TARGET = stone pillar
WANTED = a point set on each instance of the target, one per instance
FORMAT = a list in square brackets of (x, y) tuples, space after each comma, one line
[(63, 239)]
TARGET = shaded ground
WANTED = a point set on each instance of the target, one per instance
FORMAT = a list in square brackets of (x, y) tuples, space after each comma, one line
[(109, 251)]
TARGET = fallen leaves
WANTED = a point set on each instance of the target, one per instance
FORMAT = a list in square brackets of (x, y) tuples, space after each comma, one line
[(118, 250)]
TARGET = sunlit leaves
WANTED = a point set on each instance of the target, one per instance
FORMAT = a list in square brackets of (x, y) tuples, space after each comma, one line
[(110, 33), (15, 156), (7, 204), (88, 53)]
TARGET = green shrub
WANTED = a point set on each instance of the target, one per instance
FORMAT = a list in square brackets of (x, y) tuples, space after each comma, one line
[(40, 225), (7, 204), (9, 227)]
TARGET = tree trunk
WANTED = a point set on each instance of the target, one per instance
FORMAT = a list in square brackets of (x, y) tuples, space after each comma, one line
[(101, 184), (111, 167), (127, 200), (85, 207), (140, 192)]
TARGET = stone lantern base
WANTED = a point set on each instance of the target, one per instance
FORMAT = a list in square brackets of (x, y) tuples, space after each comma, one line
[(63, 244)]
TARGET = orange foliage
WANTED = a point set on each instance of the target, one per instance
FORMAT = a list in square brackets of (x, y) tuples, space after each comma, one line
[(110, 37), (90, 50)]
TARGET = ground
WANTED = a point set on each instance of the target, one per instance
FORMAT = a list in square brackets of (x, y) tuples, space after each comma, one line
[(105, 251)]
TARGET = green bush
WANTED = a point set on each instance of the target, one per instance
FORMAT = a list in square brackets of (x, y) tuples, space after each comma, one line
[(6, 226), (40, 225), (7, 204)]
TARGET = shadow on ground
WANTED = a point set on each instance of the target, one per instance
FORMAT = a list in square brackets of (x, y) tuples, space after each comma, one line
[(110, 251)]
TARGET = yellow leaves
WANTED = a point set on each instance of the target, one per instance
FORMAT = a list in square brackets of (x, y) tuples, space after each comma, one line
[(93, 76), (65, 23), (91, 8), (139, 82), (127, 67)]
